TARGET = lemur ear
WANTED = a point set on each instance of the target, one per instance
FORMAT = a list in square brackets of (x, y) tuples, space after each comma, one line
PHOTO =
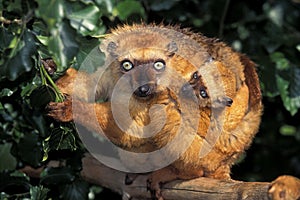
[(112, 48), (172, 48), (223, 101)]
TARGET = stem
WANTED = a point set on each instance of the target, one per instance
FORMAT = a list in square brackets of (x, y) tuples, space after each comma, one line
[(44, 81), (22, 22), (100, 36), (46, 77), (221, 27)]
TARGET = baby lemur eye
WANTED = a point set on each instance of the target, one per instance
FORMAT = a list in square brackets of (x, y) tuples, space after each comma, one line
[(195, 75), (127, 65), (159, 65), (203, 93)]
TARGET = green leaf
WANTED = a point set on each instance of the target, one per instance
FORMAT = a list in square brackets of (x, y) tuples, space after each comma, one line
[(41, 96), (59, 175), (268, 78), (276, 38), (86, 20), (283, 86), (5, 92), (295, 83), (52, 12), (243, 32), (281, 62), (15, 6), (126, 8), (5, 38), (89, 57), (287, 130), (62, 138), (38, 193), (63, 46), (29, 149), (14, 183), (8, 161), (29, 87), (76, 191), (22, 60), (298, 47), (276, 15)]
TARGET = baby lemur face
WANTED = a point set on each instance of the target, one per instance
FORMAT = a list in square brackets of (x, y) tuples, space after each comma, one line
[(201, 92)]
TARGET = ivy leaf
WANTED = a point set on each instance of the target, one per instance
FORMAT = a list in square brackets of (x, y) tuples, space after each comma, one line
[(268, 78), (295, 83), (76, 191), (29, 149), (295, 88), (6, 92), (281, 62), (38, 193), (126, 8), (41, 96), (62, 138), (89, 57), (86, 20), (14, 183), (62, 45), (5, 38), (22, 60), (59, 175), (283, 86), (52, 12), (15, 6), (288, 130), (36, 119), (276, 38), (10, 161)]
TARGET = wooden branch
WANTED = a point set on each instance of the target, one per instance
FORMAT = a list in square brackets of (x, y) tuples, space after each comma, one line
[(200, 188), (283, 188)]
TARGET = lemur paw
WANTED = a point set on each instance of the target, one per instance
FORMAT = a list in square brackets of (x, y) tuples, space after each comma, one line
[(285, 188), (155, 189), (60, 111)]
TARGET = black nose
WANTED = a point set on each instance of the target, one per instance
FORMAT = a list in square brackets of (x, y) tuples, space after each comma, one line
[(143, 90)]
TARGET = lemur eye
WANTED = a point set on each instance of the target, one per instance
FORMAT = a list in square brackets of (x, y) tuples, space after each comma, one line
[(203, 93), (159, 65), (195, 75), (127, 65)]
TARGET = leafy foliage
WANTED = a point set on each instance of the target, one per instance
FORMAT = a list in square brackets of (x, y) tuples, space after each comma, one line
[(34, 32)]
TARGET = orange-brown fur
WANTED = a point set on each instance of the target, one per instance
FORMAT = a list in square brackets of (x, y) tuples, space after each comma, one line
[(232, 74)]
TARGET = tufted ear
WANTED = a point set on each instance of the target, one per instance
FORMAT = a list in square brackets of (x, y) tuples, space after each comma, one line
[(112, 48), (221, 102), (172, 48), (252, 80)]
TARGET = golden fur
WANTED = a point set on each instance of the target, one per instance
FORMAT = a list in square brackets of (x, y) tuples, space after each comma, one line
[(224, 72)]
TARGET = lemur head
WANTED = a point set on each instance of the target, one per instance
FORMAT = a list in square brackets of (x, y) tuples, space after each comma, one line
[(202, 94)]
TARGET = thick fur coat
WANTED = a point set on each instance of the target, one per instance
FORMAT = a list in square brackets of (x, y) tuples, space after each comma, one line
[(156, 60)]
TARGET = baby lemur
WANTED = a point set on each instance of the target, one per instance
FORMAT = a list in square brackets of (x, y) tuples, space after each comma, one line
[(209, 95)]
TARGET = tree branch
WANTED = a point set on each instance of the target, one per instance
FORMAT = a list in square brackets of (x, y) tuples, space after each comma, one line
[(200, 188), (283, 188)]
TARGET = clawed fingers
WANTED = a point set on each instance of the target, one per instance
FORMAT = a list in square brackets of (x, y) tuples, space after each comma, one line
[(60, 111), (155, 189)]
